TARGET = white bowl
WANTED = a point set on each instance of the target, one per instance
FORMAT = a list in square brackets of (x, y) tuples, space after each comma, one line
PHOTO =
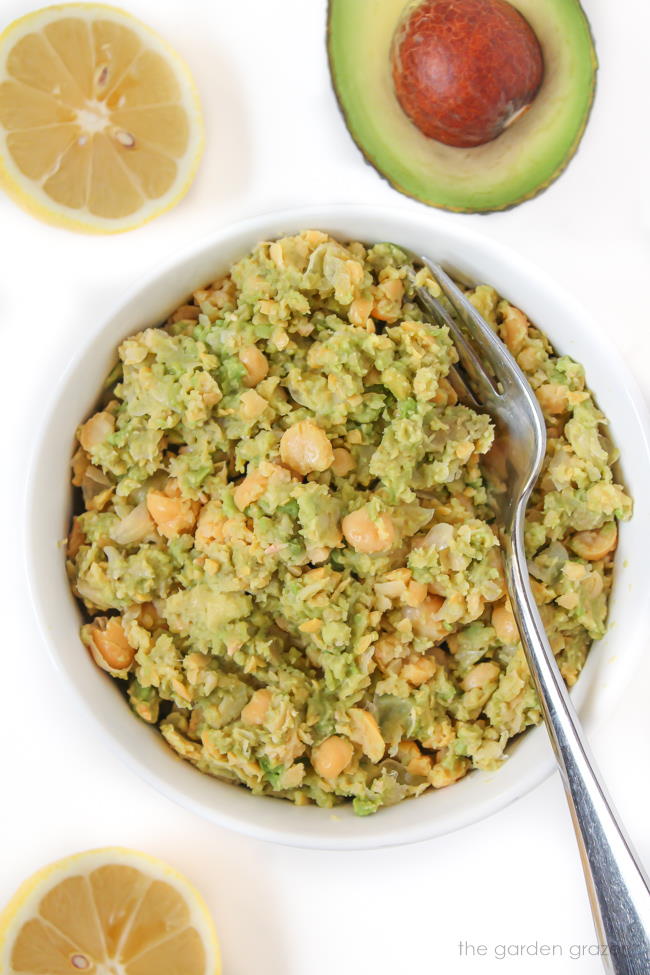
[(611, 662)]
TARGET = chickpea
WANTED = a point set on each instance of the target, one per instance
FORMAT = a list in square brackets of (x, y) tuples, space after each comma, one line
[(387, 649), (209, 528), (455, 607), (395, 585), (186, 313), (256, 710), (279, 337), (425, 619), (387, 301), (593, 585), (292, 777), (409, 754), (359, 311), (553, 398), (441, 776), (416, 593), (311, 626), (222, 293), (314, 237), (108, 644), (515, 328), (364, 730), (355, 271), (504, 624), (96, 430), (366, 535), (406, 750), (76, 539), (595, 545), (181, 690), (268, 308), (418, 670), (480, 675), (570, 600), (251, 405), (530, 358), (172, 515), (392, 288), (445, 395), (332, 756), (304, 448), (574, 571), (475, 605), (250, 489), (343, 462), (276, 254), (255, 363), (80, 464), (317, 554), (96, 489), (147, 616)]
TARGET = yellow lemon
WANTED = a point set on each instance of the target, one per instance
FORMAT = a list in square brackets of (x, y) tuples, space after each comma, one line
[(106, 912), (100, 120)]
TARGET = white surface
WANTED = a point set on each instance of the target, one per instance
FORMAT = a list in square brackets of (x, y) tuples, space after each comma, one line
[(275, 139), (611, 663)]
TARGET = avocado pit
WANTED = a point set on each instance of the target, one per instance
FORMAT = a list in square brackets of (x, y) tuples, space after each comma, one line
[(464, 70)]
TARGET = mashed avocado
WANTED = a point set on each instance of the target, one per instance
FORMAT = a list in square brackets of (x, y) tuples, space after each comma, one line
[(285, 544)]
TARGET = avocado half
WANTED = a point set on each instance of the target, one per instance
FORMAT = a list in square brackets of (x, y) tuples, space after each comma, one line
[(517, 165)]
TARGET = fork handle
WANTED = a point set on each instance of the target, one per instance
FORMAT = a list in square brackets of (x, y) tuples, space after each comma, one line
[(618, 887)]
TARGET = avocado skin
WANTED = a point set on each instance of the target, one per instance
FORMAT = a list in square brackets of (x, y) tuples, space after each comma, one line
[(486, 210)]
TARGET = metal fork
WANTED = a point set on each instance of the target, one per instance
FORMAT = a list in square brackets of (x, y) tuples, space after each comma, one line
[(488, 378)]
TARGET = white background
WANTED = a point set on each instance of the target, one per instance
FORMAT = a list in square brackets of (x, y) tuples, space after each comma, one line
[(275, 139)]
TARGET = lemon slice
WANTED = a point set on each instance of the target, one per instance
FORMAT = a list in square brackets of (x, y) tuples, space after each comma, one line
[(108, 912), (100, 120)]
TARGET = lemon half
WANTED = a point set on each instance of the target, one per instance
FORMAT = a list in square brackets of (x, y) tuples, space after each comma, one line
[(100, 120), (108, 912)]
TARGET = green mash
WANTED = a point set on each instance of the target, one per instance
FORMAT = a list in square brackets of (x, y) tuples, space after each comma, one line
[(285, 545)]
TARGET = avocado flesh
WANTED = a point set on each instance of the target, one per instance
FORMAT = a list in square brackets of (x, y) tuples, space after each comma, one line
[(517, 165)]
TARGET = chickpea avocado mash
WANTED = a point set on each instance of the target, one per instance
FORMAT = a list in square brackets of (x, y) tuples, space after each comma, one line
[(284, 541)]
